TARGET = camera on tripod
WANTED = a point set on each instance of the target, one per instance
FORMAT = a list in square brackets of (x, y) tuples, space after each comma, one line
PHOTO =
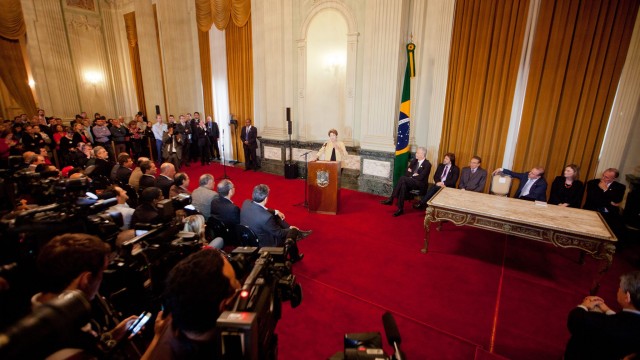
[(246, 330)]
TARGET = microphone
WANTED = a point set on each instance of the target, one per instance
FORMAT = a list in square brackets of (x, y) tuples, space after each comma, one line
[(306, 153), (325, 144), (393, 334)]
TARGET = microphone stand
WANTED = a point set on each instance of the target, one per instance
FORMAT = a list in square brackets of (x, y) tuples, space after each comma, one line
[(224, 165), (306, 181)]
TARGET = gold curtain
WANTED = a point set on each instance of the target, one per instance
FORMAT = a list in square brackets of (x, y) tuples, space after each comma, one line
[(578, 54), (205, 67), (240, 75), (13, 68), (219, 12), (134, 58), (485, 54)]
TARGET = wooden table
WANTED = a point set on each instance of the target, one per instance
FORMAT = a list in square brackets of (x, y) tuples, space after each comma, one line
[(563, 227)]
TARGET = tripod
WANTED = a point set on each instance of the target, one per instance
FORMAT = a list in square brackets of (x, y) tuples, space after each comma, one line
[(306, 181), (224, 165)]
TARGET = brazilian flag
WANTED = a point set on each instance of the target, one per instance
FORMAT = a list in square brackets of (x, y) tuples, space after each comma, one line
[(404, 120)]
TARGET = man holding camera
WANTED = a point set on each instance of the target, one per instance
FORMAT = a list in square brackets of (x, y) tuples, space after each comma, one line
[(77, 262)]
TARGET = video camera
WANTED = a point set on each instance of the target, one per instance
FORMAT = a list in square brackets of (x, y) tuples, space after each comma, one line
[(246, 330)]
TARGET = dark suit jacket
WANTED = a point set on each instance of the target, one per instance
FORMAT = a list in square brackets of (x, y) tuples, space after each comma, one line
[(420, 180), (599, 200), (166, 144), (202, 138), (473, 182), (252, 137), (452, 177), (538, 190), (598, 336), (561, 194), (164, 183), (263, 223), (213, 131), (146, 181), (123, 174), (145, 213), (225, 210)]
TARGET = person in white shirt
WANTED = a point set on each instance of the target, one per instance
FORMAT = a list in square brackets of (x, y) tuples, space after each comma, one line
[(158, 130)]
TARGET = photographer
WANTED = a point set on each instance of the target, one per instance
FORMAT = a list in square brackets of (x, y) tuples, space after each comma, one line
[(147, 211), (197, 290), (77, 262)]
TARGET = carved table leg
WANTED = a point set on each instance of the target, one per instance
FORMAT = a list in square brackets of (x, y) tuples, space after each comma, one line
[(606, 255), (427, 223)]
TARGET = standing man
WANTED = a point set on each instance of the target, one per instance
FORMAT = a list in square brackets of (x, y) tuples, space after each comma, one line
[(604, 195), (597, 332), (532, 186), (249, 137), (184, 129), (119, 134), (158, 130), (446, 175), (172, 146), (473, 177), (415, 178), (213, 132), (202, 136)]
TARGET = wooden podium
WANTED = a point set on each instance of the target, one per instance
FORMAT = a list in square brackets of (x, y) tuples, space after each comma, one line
[(323, 180)]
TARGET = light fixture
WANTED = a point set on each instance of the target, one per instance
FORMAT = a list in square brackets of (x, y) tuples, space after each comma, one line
[(93, 77), (32, 83)]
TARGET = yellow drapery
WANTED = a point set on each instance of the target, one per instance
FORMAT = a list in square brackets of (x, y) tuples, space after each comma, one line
[(134, 58), (239, 56), (13, 69), (578, 54), (205, 67), (483, 67), (240, 76)]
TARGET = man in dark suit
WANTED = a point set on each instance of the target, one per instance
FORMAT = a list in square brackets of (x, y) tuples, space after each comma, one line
[(147, 212), (415, 178), (202, 138), (473, 177), (148, 178), (604, 195), (446, 175), (532, 186), (271, 229), (249, 137), (222, 208), (186, 133), (597, 332), (123, 173), (165, 179), (213, 131), (172, 146)]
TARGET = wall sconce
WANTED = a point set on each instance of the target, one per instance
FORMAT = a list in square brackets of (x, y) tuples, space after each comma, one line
[(32, 83), (334, 61), (93, 77)]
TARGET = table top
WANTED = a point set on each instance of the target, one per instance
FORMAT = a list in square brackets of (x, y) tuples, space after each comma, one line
[(575, 221)]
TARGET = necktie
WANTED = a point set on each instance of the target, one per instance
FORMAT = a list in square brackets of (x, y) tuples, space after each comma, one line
[(445, 173), (527, 188), (333, 154)]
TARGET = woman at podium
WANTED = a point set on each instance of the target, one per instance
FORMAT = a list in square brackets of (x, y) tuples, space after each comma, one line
[(332, 150)]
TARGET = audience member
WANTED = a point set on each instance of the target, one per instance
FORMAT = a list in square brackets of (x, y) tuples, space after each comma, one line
[(532, 186), (180, 185), (249, 137), (165, 180), (222, 207), (202, 138), (123, 173), (446, 175), (136, 174), (119, 135), (567, 190), (148, 178), (186, 132), (122, 207), (197, 225), (147, 211), (271, 230), (202, 196), (158, 130), (197, 289), (473, 177), (213, 132), (597, 332), (415, 178), (172, 146)]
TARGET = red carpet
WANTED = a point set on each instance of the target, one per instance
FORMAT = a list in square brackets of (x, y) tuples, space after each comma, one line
[(475, 295)]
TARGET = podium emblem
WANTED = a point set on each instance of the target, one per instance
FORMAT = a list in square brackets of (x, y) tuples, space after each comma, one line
[(322, 178)]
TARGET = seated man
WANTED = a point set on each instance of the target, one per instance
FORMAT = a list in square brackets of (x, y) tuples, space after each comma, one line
[(604, 195), (122, 207), (415, 178), (222, 207), (597, 332), (197, 289), (532, 186), (147, 212), (77, 262), (123, 172), (148, 178), (473, 177), (446, 175), (165, 180), (202, 196), (271, 229)]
